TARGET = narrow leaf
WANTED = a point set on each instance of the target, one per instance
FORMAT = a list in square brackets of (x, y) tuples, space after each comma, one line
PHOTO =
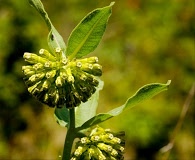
[(88, 33), (144, 93), (54, 38), (37, 4)]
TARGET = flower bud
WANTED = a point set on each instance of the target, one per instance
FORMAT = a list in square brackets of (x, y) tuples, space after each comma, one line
[(97, 70), (45, 54), (33, 58), (28, 71), (56, 81), (50, 74), (105, 147), (101, 144), (89, 60), (38, 66), (59, 81)]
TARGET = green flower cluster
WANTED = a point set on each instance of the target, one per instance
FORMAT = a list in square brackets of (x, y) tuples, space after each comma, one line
[(101, 144), (57, 81)]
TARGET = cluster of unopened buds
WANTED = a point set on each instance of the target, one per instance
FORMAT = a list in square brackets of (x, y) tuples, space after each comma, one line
[(58, 81), (101, 144)]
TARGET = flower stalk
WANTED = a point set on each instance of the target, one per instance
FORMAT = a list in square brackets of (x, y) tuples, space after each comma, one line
[(70, 136)]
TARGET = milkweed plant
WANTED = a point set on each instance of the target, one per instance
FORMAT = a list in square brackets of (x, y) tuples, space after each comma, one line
[(63, 78)]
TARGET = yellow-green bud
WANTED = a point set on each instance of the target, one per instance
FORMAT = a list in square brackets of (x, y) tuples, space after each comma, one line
[(45, 54), (78, 151), (102, 144), (28, 70), (105, 147), (59, 81), (85, 140), (38, 66), (33, 58), (56, 81), (89, 60)]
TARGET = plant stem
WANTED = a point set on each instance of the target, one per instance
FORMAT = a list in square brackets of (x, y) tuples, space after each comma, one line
[(166, 150), (70, 136)]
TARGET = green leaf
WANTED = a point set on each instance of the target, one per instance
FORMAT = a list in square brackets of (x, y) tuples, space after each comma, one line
[(54, 38), (88, 109), (144, 93), (88, 33), (61, 116), (55, 41), (83, 112)]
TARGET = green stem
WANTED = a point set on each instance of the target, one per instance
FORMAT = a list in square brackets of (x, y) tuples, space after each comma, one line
[(70, 136)]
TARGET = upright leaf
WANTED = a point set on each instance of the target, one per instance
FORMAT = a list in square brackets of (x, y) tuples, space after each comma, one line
[(88, 33), (54, 38), (55, 41)]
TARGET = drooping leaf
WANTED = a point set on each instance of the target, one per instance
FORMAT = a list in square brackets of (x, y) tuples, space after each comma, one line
[(144, 93), (88, 33), (54, 38)]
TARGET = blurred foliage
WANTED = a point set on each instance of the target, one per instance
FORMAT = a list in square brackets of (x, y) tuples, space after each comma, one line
[(146, 41)]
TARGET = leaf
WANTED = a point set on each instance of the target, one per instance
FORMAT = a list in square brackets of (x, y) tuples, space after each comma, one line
[(88, 33), (144, 93), (61, 116), (82, 113), (88, 109), (55, 41), (54, 38)]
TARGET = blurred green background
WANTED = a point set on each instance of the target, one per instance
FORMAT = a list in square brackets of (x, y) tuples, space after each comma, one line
[(146, 41)]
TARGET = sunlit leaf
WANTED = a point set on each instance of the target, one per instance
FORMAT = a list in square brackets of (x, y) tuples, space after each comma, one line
[(88, 33), (144, 93), (55, 41), (88, 109), (54, 38)]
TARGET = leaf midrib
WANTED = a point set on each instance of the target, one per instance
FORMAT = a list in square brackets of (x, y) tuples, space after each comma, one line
[(84, 40)]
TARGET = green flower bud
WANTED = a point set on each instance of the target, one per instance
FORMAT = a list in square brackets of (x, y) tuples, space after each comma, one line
[(58, 82), (97, 70), (116, 140), (101, 144), (79, 151), (38, 67), (28, 70), (105, 147), (45, 54), (50, 74), (114, 153), (88, 60), (34, 79), (89, 154), (85, 140), (33, 58)]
